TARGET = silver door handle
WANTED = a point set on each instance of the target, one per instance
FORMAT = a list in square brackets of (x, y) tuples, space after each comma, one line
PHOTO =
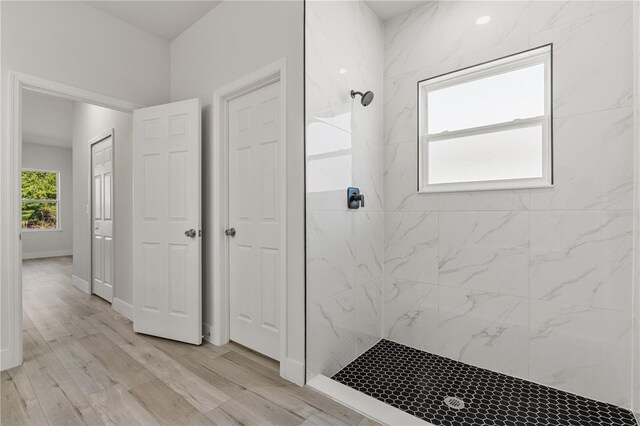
[(231, 232), (191, 233)]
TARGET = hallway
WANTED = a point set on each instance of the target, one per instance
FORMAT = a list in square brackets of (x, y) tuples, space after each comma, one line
[(83, 364)]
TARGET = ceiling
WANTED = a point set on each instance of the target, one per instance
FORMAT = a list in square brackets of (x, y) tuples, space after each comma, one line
[(389, 9), (168, 19), (165, 19), (46, 119)]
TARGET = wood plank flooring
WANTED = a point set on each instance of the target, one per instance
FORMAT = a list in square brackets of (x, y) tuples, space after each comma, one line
[(84, 365)]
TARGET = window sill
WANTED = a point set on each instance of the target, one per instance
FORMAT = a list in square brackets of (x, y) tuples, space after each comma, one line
[(486, 186), (37, 231)]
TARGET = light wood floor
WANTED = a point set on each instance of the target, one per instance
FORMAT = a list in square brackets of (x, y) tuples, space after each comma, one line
[(83, 364)]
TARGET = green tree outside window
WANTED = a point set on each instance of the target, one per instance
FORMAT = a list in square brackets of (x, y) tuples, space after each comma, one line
[(39, 200)]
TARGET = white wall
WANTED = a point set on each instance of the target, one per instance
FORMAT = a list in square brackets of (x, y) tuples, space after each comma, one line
[(59, 242), (533, 283), (74, 44), (217, 50), (90, 121), (344, 148)]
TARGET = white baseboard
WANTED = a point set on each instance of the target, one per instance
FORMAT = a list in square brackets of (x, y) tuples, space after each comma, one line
[(6, 359), (123, 308), (207, 333), (43, 254), (363, 404), (294, 371), (80, 284)]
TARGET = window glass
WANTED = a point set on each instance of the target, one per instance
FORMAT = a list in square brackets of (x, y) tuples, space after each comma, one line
[(39, 200), (509, 154), (496, 99)]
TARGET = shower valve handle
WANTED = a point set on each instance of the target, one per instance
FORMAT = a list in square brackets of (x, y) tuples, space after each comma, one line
[(355, 199), (359, 198)]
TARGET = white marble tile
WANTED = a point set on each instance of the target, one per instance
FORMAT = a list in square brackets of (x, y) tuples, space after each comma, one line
[(593, 163), (484, 329), (368, 315), (400, 105), (485, 251), (330, 162), (583, 258), (411, 313), (582, 350), (487, 54), (327, 88), (411, 246), (367, 174), (331, 256), (335, 200), (368, 121), (411, 40), (459, 35), (367, 242), (334, 21), (369, 39), (517, 199), (332, 344), (545, 15), (592, 62), (401, 180)]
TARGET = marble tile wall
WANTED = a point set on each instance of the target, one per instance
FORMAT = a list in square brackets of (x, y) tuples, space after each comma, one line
[(344, 51), (534, 283)]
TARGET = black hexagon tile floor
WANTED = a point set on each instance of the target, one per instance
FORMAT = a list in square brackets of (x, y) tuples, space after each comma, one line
[(450, 393)]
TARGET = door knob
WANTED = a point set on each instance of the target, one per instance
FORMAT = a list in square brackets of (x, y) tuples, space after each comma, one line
[(231, 232), (191, 233)]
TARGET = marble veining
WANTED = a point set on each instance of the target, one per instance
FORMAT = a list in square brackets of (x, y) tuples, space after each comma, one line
[(582, 257), (485, 251)]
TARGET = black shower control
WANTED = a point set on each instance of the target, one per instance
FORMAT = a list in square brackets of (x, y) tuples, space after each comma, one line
[(355, 199)]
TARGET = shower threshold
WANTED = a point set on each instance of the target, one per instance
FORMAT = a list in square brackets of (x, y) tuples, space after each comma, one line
[(443, 392)]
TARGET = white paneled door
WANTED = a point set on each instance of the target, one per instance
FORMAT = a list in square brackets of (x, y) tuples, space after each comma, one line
[(254, 213), (102, 218), (167, 221)]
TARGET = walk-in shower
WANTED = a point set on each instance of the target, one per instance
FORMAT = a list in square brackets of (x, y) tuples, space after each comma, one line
[(472, 307)]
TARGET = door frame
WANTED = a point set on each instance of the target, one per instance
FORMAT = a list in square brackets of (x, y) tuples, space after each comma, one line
[(102, 136), (219, 255), (10, 177)]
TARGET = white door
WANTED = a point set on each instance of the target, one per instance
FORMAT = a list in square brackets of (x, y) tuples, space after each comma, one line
[(254, 212), (167, 221), (102, 218)]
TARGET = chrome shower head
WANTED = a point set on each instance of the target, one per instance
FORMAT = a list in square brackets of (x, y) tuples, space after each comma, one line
[(367, 97)]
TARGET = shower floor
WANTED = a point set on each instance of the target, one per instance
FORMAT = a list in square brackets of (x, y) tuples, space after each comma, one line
[(420, 383)]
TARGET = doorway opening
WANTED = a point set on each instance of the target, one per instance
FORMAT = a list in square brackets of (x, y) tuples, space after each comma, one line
[(51, 126)]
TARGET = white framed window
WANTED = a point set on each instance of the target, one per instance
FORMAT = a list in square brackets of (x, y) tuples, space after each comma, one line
[(488, 126), (40, 200)]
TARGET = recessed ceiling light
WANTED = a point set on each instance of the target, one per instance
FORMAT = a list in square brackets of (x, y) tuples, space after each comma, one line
[(483, 20), (342, 71)]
